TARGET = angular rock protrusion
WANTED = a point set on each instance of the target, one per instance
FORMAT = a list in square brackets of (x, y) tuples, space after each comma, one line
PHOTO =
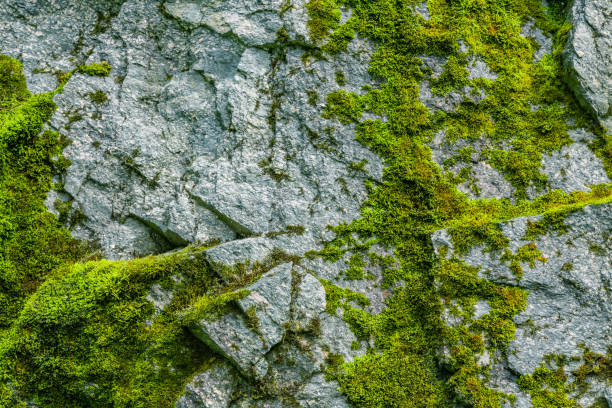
[(225, 257), (588, 56), (247, 333), (268, 304)]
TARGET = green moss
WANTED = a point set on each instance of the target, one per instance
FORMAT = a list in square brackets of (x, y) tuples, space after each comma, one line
[(324, 16), (344, 106), (340, 78), (356, 266), (91, 318), (98, 97), (548, 387), (211, 308), (602, 147), (454, 76), (390, 380), (340, 38), (336, 297), (32, 242), (96, 69), (527, 253), (313, 97), (523, 115)]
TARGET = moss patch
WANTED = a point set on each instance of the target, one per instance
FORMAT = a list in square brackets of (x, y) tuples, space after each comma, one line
[(96, 69), (524, 114)]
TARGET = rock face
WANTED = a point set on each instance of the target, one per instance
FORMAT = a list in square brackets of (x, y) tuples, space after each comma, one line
[(206, 131), (589, 56), (246, 336), (210, 389), (569, 304), (209, 130)]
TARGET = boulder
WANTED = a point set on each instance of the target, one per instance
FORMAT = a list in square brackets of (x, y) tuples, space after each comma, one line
[(588, 56)]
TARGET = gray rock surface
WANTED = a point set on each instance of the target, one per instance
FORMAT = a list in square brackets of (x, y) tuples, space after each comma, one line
[(280, 336), (574, 167), (588, 56), (269, 300), (545, 42), (569, 301), (207, 133), (211, 389), (212, 133), (245, 336)]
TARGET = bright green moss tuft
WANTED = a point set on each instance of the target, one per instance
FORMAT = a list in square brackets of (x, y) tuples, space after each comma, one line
[(324, 16), (92, 319), (344, 106), (548, 388), (12, 82), (96, 69), (390, 380), (32, 242)]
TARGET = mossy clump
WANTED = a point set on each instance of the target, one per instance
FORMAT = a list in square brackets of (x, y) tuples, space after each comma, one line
[(324, 16), (98, 97), (548, 387), (375, 380), (101, 69), (32, 241), (89, 335)]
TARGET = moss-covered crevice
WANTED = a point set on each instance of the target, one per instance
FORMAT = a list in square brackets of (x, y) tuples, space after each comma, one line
[(527, 111)]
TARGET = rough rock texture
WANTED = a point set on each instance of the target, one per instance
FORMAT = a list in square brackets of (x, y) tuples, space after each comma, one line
[(280, 335), (245, 336), (572, 168), (210, 389), (569, 301), (207, 132), (589, 56)]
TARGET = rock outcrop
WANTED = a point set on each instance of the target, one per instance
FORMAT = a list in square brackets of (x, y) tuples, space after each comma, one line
[(205, 131), (279, 336), (589, 56), (212, 129)]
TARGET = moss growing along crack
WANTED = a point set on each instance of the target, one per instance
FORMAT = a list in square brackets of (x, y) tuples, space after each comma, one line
[(101, 69), (524, 113)]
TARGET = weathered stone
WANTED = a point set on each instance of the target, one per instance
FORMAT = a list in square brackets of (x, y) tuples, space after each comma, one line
[(310, 299), (318, 393), (201, 138), (568, 303), (269, 303), (211, 389), (245, 336), (222, 258), (588, 56), (574, 167)]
